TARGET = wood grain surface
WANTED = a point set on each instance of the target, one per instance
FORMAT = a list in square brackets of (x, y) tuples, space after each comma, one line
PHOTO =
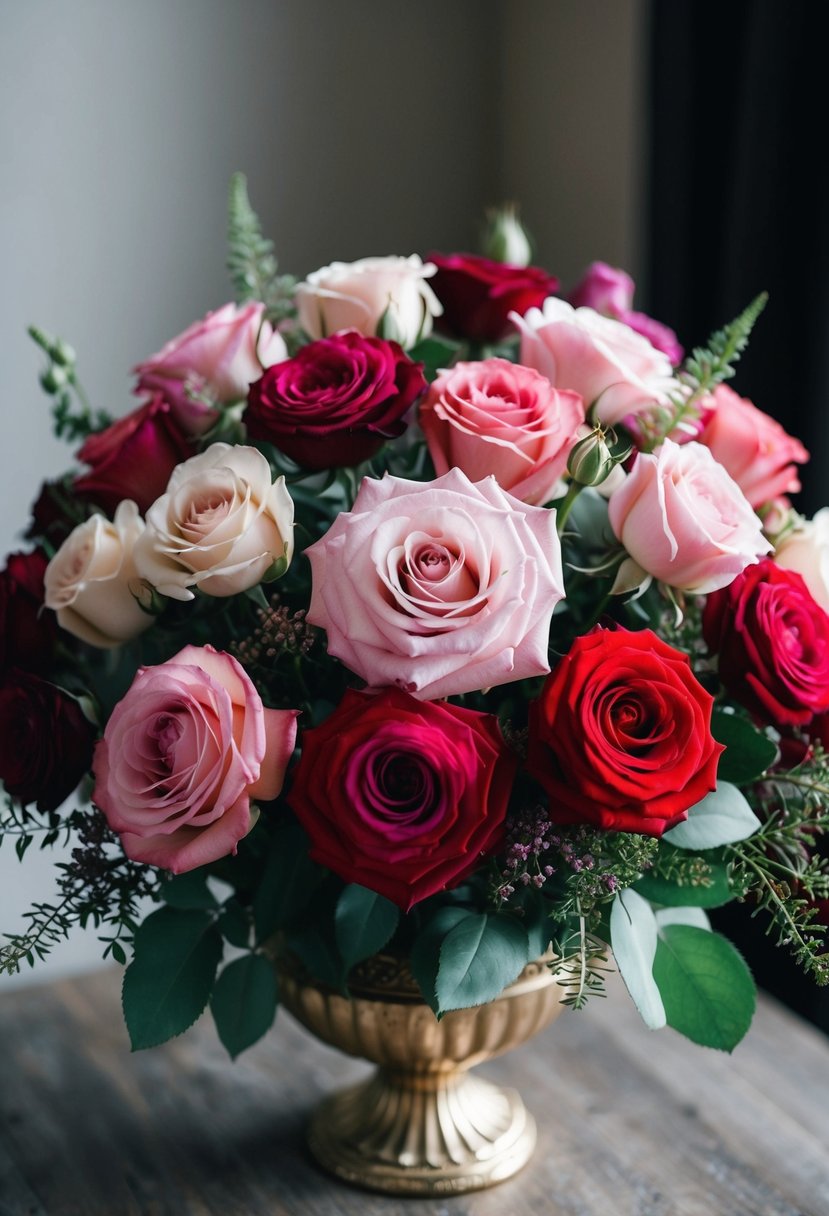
[(631, 1123)]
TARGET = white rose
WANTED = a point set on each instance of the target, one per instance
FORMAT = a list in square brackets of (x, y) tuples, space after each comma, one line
[(358, 295), (220, 526), (90, 580), (806, 551)]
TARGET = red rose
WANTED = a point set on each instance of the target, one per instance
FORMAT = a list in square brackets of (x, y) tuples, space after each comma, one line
[(133, 458), (773, 642), (45, 741), (478, 295), (336, 402), (621, 734), (27, 635), (403, 796)]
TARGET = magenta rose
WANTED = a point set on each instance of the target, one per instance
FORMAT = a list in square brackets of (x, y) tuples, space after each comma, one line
[(182, 756), (27, 633), (773, 644), (45, 740), (617, 371), (133, 458), (440, 587), (755, 449), (215, 360), (336, 402), (610, 292), (478, 294), (684, 521), (402, 796), (500, 418)]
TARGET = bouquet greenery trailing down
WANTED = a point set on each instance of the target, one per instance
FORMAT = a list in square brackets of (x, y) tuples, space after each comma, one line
[(419, 608)]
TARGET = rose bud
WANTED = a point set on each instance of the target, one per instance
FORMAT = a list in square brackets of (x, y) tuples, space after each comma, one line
[(505, 239)]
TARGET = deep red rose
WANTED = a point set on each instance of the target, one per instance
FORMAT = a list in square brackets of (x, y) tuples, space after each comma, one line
[(336, 402), (56, 511), (134, 457), (45, 741), (403, 796), (27, 635), (621, 734), (772, 639), (478, 295)]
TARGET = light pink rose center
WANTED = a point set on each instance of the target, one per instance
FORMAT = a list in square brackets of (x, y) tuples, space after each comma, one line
[(204, 514), (435, 573)]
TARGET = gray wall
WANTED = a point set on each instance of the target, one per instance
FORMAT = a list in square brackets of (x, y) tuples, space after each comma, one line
[(370, 127)]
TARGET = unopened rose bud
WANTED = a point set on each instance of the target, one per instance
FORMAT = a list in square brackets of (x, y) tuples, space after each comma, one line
[(63, 353), (505, 239), (591, 460), (53, 379)]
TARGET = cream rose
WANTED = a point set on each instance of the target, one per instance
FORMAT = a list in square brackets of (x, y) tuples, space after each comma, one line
[(616, 371), (806, 551), (358, 295), (221, 526), (684, 520), (91, 579)]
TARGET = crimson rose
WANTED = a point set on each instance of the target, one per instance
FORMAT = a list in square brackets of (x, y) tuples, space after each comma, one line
[(403, 796), (45, 741), (27, 635), (336, 402), (478, 295), (133, 458), (773, 642), (621, 734)]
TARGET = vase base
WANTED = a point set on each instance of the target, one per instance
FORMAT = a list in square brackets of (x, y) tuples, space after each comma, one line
[(446, 1135)]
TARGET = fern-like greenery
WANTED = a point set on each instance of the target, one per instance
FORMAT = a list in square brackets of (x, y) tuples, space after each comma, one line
[(250, 258)]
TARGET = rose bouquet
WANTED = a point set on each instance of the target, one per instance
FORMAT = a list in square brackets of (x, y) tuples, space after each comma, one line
[(418, 608)]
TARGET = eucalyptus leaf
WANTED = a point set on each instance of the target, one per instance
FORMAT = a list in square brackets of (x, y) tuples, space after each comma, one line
[(682, 916), (633, 941), (707, 989), (722, 817)]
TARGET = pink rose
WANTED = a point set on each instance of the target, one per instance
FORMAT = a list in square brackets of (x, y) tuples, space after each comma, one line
[(217, 359), (755, 449), (498, 417), (806, 551), (439, 588), (684, 520), (615, 370), (610, 292), (183, 754)]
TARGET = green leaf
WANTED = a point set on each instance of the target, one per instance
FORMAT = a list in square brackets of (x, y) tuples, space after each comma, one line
[(244, 1001), (435, 354), (364, 922), (289, 880), (250, 260), (633, 941), (424, 957), (707, 988), (317, 951), (168, 982), (748, 752), (664, 891), (479, 957), (723, 817), (234, 923), (188, 891), (682, 916)]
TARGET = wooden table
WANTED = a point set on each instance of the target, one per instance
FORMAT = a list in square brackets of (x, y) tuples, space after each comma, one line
[(631, 1123)]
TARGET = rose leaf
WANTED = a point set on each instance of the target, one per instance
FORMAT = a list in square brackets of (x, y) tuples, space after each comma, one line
[(707, 989), (364, 922), (244, 1002), (748, 752), (478, 959)]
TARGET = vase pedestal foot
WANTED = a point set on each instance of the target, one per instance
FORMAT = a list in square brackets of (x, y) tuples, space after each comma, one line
[(423, 1133)]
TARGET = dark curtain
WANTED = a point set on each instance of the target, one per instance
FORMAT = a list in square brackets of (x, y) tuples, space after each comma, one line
[(739, 197), (739, 203)]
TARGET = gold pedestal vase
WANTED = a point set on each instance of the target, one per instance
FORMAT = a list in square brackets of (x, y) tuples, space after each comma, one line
[(420, 1125)]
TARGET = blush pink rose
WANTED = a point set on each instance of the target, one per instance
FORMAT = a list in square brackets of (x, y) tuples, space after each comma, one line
[(684, 520), (182, 756), (609, 291), (757, 452), (498, 417), (215, 359), (806, 550), (439, 588), (616, 371)]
